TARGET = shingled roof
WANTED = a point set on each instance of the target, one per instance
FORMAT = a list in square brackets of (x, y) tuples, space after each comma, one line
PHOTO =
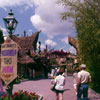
[(26, 59), (25, 44)]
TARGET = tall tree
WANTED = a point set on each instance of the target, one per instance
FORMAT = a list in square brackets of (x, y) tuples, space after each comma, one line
[(87, 22)]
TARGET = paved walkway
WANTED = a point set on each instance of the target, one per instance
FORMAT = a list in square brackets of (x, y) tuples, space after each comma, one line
[(42, 87)]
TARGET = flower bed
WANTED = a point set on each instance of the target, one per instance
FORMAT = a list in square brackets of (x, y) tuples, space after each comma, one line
[(21, 95)]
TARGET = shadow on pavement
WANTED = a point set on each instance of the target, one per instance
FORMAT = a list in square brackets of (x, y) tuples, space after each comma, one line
[(66, 89)]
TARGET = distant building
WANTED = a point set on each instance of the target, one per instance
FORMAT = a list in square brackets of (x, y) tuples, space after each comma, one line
[(63, 58)]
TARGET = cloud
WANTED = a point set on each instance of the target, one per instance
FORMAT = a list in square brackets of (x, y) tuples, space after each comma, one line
[(11, 3), (65, 40), (72, 50), (36, 19), (47, 16), (3, 29), (43, 46), (69, 48), (50, 43), (4, 32), (7, 3), (48, 19)]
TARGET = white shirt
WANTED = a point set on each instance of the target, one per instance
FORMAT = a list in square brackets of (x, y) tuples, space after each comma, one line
[(60, 80), (84, 76), (52, 72), (75, 77)]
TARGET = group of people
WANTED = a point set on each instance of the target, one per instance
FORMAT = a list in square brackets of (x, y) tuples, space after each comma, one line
[(81, 80)]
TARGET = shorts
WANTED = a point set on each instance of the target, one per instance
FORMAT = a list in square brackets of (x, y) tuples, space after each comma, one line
[(59, 91)]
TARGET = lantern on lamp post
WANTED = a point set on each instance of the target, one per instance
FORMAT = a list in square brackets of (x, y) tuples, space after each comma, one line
[(10, 23)]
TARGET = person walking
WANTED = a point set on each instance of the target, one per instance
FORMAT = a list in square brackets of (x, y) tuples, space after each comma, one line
[(59, 88), (75, 77), (83, 80)]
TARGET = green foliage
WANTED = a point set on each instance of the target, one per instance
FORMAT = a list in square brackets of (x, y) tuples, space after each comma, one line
[(87, 23)]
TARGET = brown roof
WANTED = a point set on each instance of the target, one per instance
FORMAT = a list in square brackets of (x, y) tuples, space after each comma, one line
[(25, 44), (26, 59)]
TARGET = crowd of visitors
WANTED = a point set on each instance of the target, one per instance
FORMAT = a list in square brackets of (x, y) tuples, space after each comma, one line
[(81, 80)]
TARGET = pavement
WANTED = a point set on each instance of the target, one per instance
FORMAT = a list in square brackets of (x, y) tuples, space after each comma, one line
[(42, 87)]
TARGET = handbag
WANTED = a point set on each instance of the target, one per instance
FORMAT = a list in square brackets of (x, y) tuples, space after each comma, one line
[(53, 88)]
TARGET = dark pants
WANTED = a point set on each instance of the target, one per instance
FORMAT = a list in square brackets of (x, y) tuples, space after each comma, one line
[(82, 90)]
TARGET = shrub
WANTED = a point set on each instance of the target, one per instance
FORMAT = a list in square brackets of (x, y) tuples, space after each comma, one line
[(21, 95)]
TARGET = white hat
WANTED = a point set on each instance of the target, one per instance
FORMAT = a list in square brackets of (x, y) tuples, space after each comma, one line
[(83, 66)]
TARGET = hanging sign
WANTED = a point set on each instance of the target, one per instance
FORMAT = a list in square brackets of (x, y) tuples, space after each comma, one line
[(8, 69)]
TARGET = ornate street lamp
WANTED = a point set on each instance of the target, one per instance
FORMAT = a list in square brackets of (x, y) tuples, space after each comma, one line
[(10, 23)]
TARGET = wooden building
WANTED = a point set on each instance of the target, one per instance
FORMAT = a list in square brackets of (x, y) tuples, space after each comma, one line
[(27, 48)]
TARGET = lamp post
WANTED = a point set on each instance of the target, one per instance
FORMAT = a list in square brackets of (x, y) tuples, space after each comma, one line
[(10, 23)]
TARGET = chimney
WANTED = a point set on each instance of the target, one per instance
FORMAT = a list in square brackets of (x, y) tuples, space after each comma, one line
[(24, 33)]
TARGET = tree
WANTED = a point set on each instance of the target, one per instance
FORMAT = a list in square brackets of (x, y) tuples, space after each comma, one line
[(1, 38), (87, 22)]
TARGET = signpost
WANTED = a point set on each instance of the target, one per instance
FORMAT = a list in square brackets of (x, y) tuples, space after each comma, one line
[(9, 51)]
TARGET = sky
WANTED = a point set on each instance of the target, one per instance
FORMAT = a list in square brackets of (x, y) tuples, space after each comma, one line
[(44, 15)]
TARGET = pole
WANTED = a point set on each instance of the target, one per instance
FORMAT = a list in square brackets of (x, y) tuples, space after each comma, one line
[(9, 87), (10, 34)]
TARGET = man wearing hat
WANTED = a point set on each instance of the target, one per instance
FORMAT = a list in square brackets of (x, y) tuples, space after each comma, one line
[(84, 79)]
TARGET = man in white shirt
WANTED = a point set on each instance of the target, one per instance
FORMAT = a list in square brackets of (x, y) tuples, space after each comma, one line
[(84, 79)]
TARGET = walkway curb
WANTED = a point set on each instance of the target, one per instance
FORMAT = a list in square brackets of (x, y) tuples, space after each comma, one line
[(40, 98)]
